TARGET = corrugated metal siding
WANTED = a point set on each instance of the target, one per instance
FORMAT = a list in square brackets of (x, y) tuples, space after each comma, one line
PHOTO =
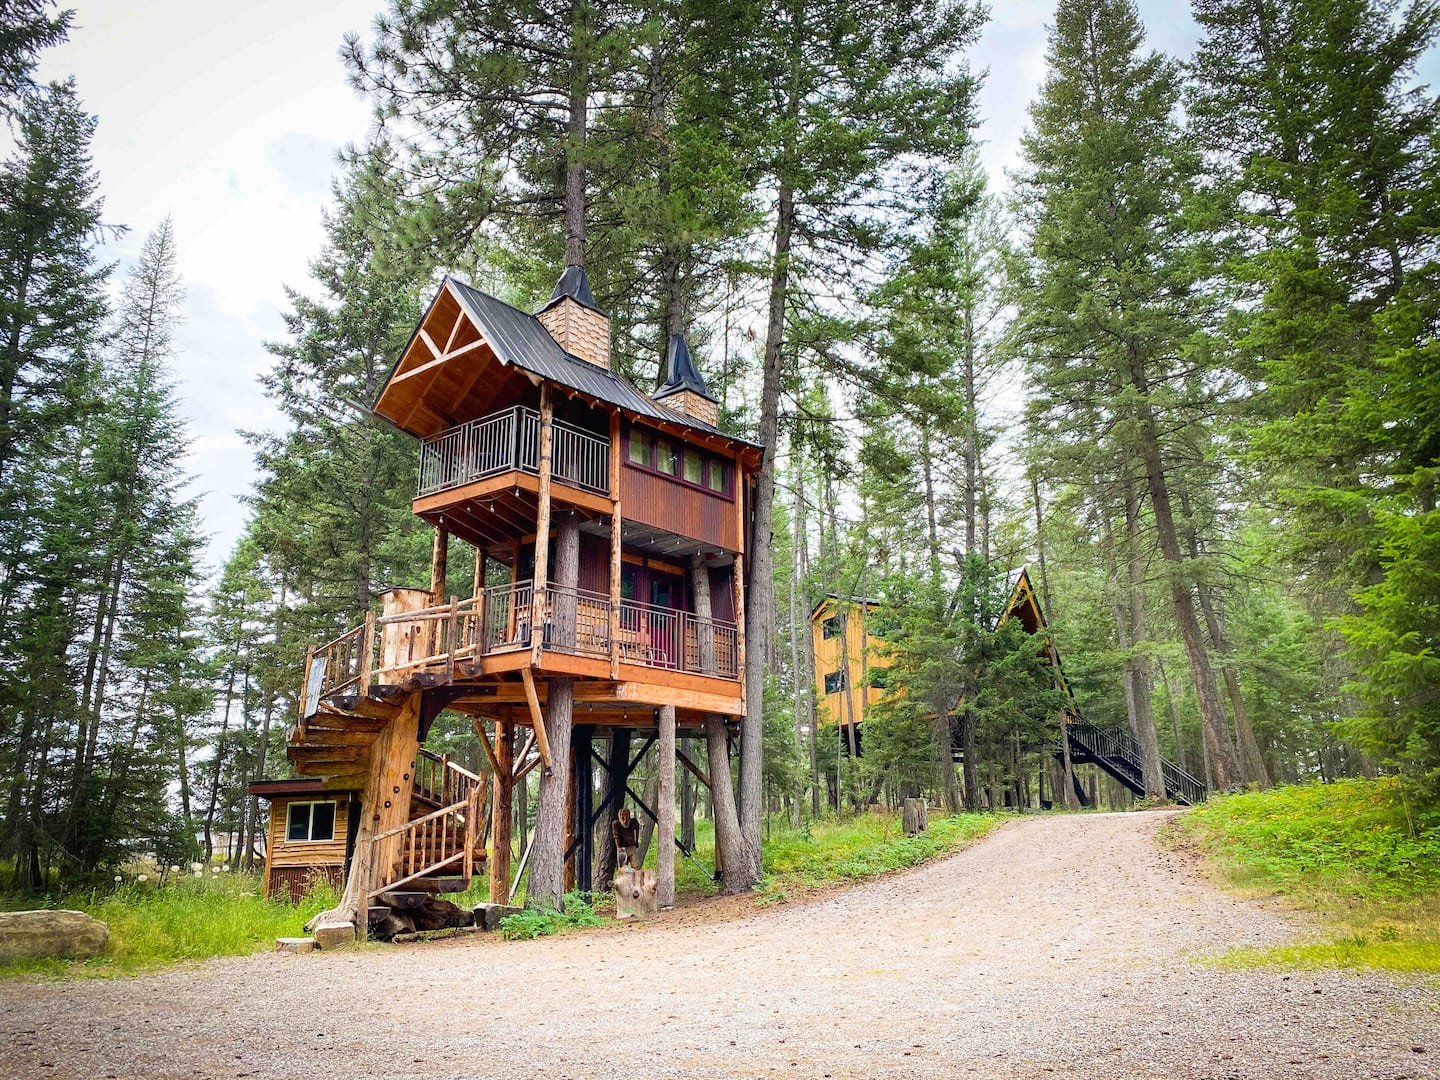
[(678, 508)]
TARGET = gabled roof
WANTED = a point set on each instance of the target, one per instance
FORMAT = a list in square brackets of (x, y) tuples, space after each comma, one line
[(519, 340), (680, 373), (868, 601)]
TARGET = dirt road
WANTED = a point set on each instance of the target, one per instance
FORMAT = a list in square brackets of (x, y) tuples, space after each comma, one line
[(1060, 946)]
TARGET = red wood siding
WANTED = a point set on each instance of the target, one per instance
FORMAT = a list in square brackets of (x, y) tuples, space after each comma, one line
[(667, 504), (594, 563)]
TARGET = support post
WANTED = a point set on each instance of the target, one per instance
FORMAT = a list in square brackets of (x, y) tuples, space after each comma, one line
[(501, 812), (665, 827), (738, 586), (439, 560), (616, 531), (537, 718), (542, 527)]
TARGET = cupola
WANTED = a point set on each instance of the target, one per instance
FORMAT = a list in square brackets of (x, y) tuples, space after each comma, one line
[(573, 320), (683, 389)]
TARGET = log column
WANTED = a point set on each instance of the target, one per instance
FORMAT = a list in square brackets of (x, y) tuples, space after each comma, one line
[(439, 563), (501, 811), (665, 826)]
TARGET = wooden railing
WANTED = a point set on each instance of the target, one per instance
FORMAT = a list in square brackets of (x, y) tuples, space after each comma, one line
[(435, 639), (509, 441), (442, 781), (433, 841)]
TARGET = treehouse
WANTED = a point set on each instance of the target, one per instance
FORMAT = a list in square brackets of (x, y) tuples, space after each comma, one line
[(850, 662), (846, 658), (609, 531)]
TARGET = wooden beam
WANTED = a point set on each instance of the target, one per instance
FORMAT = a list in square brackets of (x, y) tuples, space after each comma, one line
[(430, 342), (738, 586), (485, 743), (694, 769), (439, 563), (501, 809), (616, 528), (537, 718)]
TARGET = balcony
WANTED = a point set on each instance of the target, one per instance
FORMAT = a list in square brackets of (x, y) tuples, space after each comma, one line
[(578, 621), (509, 441), (454, 640)]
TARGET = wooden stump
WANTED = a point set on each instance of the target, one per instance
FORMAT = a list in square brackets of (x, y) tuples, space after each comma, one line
[(913, 817), (635, 893)]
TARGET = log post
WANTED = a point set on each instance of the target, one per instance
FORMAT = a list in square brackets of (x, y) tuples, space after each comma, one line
[(501, 812), (542, 527), (616, 531), (665, 841), (439, 560)]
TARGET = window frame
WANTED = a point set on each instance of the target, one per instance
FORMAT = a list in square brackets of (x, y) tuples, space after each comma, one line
[(310, 821), (680, 450), (839, 677), (831, 627)]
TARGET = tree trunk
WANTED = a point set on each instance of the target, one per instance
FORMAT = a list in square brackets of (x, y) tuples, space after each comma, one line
[(729, 842), (547, 857), (760, 597), (1138, 664), (665, 811)]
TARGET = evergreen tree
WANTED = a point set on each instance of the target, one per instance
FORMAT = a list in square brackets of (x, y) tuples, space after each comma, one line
[(1111, 308), (26, 27)]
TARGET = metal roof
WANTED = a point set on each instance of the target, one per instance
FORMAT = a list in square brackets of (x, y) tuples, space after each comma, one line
[(519, 340), (680, 373)]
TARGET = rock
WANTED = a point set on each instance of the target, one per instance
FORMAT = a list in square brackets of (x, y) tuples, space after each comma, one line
[(333, 935), (295, 944), (488, 916), (29, 935)]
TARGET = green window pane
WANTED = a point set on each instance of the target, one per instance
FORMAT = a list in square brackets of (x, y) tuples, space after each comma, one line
[(639, 446), (693, 466)]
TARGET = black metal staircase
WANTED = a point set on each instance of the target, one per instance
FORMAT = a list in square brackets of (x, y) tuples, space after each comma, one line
[(1117, 752)]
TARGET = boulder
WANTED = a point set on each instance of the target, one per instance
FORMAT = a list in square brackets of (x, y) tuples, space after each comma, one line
[(488, 916), (33, 935), (333, 935)]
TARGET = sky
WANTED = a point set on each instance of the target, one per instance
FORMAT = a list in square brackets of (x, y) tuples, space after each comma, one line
[(228, 117)]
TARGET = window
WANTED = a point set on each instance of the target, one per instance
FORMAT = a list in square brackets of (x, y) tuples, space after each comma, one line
[(715, 476), (310, 821), (834, 682), (639, 446), (693, 465), (880, 678), (665, 457), (830, 628)]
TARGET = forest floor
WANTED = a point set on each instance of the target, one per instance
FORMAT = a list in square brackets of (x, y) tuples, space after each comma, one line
[(1061, 945)]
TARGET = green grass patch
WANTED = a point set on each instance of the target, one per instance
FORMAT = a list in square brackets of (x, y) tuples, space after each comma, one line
[(1353, 852), (528, 924), (184, 919)]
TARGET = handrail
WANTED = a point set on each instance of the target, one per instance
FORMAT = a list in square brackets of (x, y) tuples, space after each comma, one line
[(509, 440)]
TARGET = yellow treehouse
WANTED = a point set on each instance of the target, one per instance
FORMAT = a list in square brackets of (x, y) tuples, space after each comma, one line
[(850, 663)]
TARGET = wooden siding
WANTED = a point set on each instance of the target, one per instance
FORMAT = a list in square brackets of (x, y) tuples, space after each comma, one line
[(658, 501), (291, 853), (828, 659)]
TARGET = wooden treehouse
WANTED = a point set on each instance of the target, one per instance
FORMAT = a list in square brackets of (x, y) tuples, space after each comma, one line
[(609, 534), (850, 663)]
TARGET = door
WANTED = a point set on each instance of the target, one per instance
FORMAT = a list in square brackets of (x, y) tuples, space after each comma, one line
[(667, 600)]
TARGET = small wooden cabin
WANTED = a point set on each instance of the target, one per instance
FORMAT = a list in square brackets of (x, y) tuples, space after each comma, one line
[(608, 528), (311, 835)]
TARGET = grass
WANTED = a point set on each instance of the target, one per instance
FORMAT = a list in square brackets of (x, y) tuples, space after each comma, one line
[(185, 919), (1352, 852)]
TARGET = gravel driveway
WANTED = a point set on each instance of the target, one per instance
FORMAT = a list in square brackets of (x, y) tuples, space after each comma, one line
[(1059, 946)]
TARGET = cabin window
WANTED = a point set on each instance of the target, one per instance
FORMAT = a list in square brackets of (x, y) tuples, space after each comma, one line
[(834, 682), (830, 628), (880, 678), (307, 822), (688, 464), (639, 446)]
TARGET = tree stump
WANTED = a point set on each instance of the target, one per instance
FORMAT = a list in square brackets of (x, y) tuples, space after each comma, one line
[(914, 819), (635, 893)]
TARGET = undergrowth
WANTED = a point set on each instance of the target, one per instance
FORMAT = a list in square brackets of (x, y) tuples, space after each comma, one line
[(184, 919), (533, 923), (1354, 852)]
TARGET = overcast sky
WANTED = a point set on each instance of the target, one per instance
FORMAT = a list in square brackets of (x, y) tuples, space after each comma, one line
[(228, 117)]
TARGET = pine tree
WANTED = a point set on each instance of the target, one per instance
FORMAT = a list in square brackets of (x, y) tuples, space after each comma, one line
[(1110, 303), (26, 27)]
